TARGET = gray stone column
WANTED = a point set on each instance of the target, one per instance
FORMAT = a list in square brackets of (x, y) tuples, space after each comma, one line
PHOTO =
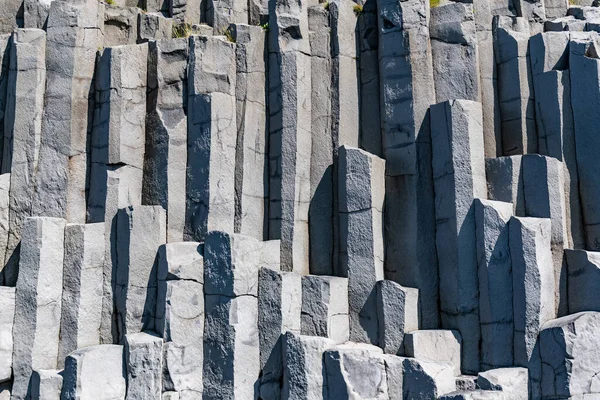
[(5, 50), (7, 315), (220, 14), (144, 363), (505, 181), (325, 307)]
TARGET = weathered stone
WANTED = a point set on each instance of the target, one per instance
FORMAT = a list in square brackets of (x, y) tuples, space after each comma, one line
[(166, 132), (35, 13), (304, 375), (22, 134), (459, 177), (11, 16), (474, 395), (325, 307), (549, 51), (270, 255), (512, 382), (170, 396), (140, 232), (5, 50), (154, 26), (251, 173), (46, 384), (279, 309), (466, 382), (394, 373), (505, 181), (210, 203), (532, 11), (96, 372), (533, 282), (397, 312), (151, 5), (7, 314), (582, 271), (355, 371), (584, 12), (556, 8), (82, 288), (188, 11), (144, 358), (441, 346), (515, 86), (361, 192), (121, 25), (220, 14), (568, 23), (427, 380), (37, 300), (495, 283), (4, 216), (231, 339), (183, 260)]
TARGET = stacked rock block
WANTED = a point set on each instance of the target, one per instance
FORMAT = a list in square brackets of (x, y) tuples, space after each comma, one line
[(272, 200)]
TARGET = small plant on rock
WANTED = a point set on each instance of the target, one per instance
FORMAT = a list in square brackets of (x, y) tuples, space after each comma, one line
[(110, 2), (434, 3), (326, 5), (181, 30), (358, 9), (229, 35), (265, 26)]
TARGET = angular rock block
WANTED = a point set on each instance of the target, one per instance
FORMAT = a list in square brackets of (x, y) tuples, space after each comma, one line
[(270, 255), (220, 14), (144, 358), (181, 261), (35, 13), (166, 132), (355, 370), (46, 384), (454, 52), (515, 86), (96, 372), (121, 25), (459, 177), (533, 282), (304, 374), (427, 380), (154, 26), (549, 51), (279, 310), (394, 373), (397, 312), (532, 11), (211, 140), (37, 300), (5, 50), (438, 346), (186, 11), (556, 8), (81, 316), (495, 282), (361, 193), (582, 278), (325, 307), (251, 173), (4, 216), (505, 181), (7, 315), (569, 352), (231, 339), (23, 125), (466, 382), (474, 395), (512, 382), (10, 17), (140, 232)]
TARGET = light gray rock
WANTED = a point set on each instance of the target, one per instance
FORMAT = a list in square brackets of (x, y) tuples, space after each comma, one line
[(515, 86), (37, 300), (474, 395), (512, 382), (569, 352), (251, 172), (279, 309), (582, 271), (355, 371), (270, 255), (455, 52), (4, 216), (397, 312), (557, 8), (35, 13), (427, 380), (188, 11), (505, 181), (166, 132), (81, 314), (466, 382), (394, 373), (220, 14), (549, 51), (584, 11), (121, 25), (181, 261), (46, 384), (11, 16), (23, 126), (170, 396), (568, 23), (150, 5), (495, 282), (7, 314), (325, 307), (210, 203), (459, 177), (144, 358), (438, 346), (361, 193), (140, 232), (304, 374), (154, 26), (96, 372), (231, 339), (532, 11), (533, 282)]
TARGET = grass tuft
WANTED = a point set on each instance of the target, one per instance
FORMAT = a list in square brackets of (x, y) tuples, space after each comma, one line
[(434, 3), (358, 9), (181, 30)]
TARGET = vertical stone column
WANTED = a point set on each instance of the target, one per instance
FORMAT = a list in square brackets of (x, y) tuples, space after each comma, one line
[(5, 50), (35, 13), (533, 282), (189, 11), (220, 14), (231, 340), (405, 99), (505, 181), (325, 307), (361, 197), (82, 293), (11, 16), (290, 109), (166, 132), (515, 86), (495, 283), (397, 312), (144, 358), (459, 177), (7, 315), (455, 53), (210, 185), (556, 8), (4, 216), (251, 170), (38, 300), (140, 232), (583, 271), (532, 11), (22, 134)]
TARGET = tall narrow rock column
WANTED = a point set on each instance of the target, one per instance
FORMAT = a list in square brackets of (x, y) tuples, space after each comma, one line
[(405, 99), (290, 110), (5, 49), (361, 197), (459, 177), (210, 185)]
